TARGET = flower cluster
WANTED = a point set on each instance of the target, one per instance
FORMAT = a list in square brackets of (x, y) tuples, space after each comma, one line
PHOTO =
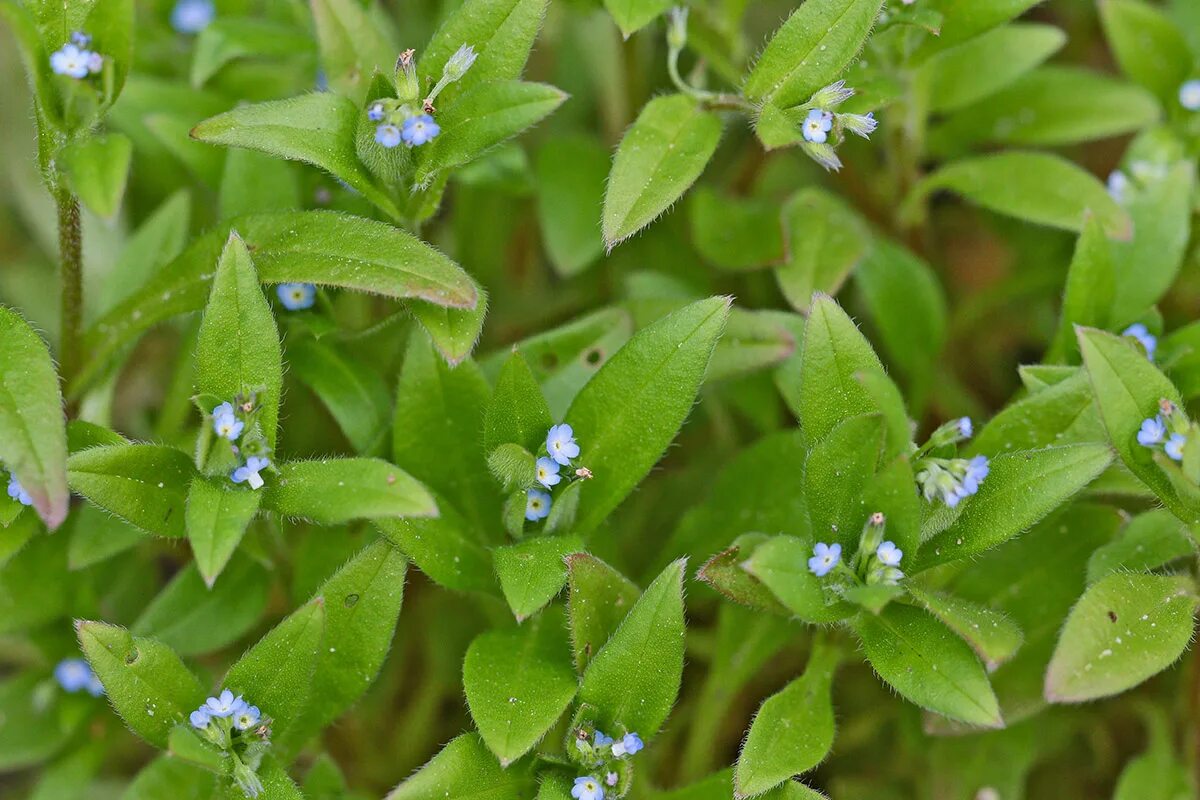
[(603, 756), (822, 123), (400, 120), (1146, 339), (876, 561), (17, 492), (239, 729), (950, 480), (192, 16), (75, 675), (229, 421), (296, 296), (561, 447), (74, 60), (1168, 430)]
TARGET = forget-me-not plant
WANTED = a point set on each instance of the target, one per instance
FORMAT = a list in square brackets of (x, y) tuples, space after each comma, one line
[(587, 787), (74, 60), (824, 558), (192, 16), (561, 444), (537, 505), (547, 472), (1169, 431), (248, 473), (296, 296), (17, 492), (225, 422), (240, 730), (1189, 94), (76, 675)]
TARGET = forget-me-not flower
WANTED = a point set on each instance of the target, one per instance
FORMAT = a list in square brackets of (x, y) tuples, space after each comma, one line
[(248, 472), (825, 557), (612, 778), (889, 554), (537, 505), (1174, 446), (1144, 337), (1118, 185), (72, 61), (547, 472), (977, 469), (17, 492), (587, 788), (1189, 94), (561, 445), (630, 744), (375, 112), (200, 718), (247, 718), (192, 16), (296, 296), (225, 422), (418, 130), (964, 427), (387, 135), (224, 704), (1152, 432), (601, 740), (73, 674), (816, 126)]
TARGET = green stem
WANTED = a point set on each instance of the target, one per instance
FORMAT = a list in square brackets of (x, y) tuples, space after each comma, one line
[(70, 247)]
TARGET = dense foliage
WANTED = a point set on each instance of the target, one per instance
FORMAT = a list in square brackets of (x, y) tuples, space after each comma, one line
[(740, 399)]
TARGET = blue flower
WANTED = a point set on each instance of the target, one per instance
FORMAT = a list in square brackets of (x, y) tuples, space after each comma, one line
[(70, 60), (630, 744), (1174, 446), (537, 505), (561, 445), (1145, 338), (247, 718), (80, 39), (1152, 432), (600, 740), (192, 16), (977, 470), (225, 422), (200, 718), (387, 135), (248, 472), (224, 705), (547, 472), (73, 674), (17, 492), (1118, 185), (611, 779), (296, 296), (419, 130), (816, 126), (889, 554), (1189, 94), (825, 557), (964, 427), (587, 788), (375, 112)]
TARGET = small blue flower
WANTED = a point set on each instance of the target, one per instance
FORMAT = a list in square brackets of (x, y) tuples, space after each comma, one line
[(296, 296), (224, 705), (600, 740), (611, 779), (587, 788), (547, 472), (247, 718), (630, 744), (825, 557), (71, 61), (248, 472), (375, 112), (192, 16), (1118, 185), (80, 39), (73, 674), (1174, 446), (964, 427), (977, 470), (200, 718), (1145, 338), (225, 422), (561, 445), (816, 126), (1152, 432), (889, 554), (387, 135), (17, 492), (419, 130), (1189, 94), (537, 505), (94, 687)]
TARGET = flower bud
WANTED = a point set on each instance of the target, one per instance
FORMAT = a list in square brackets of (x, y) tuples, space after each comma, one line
[(677, 28), (832, 95), (459, 63), (408, 86), (872, 533), (859, 124)]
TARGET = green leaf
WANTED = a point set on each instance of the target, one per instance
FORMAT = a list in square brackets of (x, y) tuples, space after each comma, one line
[(481, 119), (633, 15), (1147, 45), (1150, 540), (518, 683), (570, 172), (502, 33), (447, 548), (144, 484), (227, 39), (835, 476), (991, 634), (660, 156), (825, 240), (1021, 488), (1128, 388), (735, 233), (792, 731), (355, 393), (1036, 187), (33, 436), (256, 183), (23, 27), (781, 564), (466, 770), (170, 777), (32, 586), (925, 662), (111, 26), (159, 239), (317, 128), (532, 572), (982, 66), (598, 600), (276, 674), (237, 348), (754, 341), (628, 414), (518, 413), (353, 44), (1063, 413), (810, 50), (724, 573), (33, 732), (634, 679), (144, 680), (966, 19), (337, 490), (217, 515), (1089, 293), (1124, 629), (97, 168), (454, 331), (195, 618)]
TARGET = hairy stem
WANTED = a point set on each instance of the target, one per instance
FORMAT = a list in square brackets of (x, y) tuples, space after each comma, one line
[(70, 247)]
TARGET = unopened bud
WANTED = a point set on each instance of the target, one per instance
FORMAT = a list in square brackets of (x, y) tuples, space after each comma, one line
[(583, 473), (408, 86), (859, 124), (459, 63), (677, 28), (831, 96), (872, 534)]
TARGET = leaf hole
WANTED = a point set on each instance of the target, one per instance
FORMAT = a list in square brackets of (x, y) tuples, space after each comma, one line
[(594, 356), (351, 600), (132, 657)]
